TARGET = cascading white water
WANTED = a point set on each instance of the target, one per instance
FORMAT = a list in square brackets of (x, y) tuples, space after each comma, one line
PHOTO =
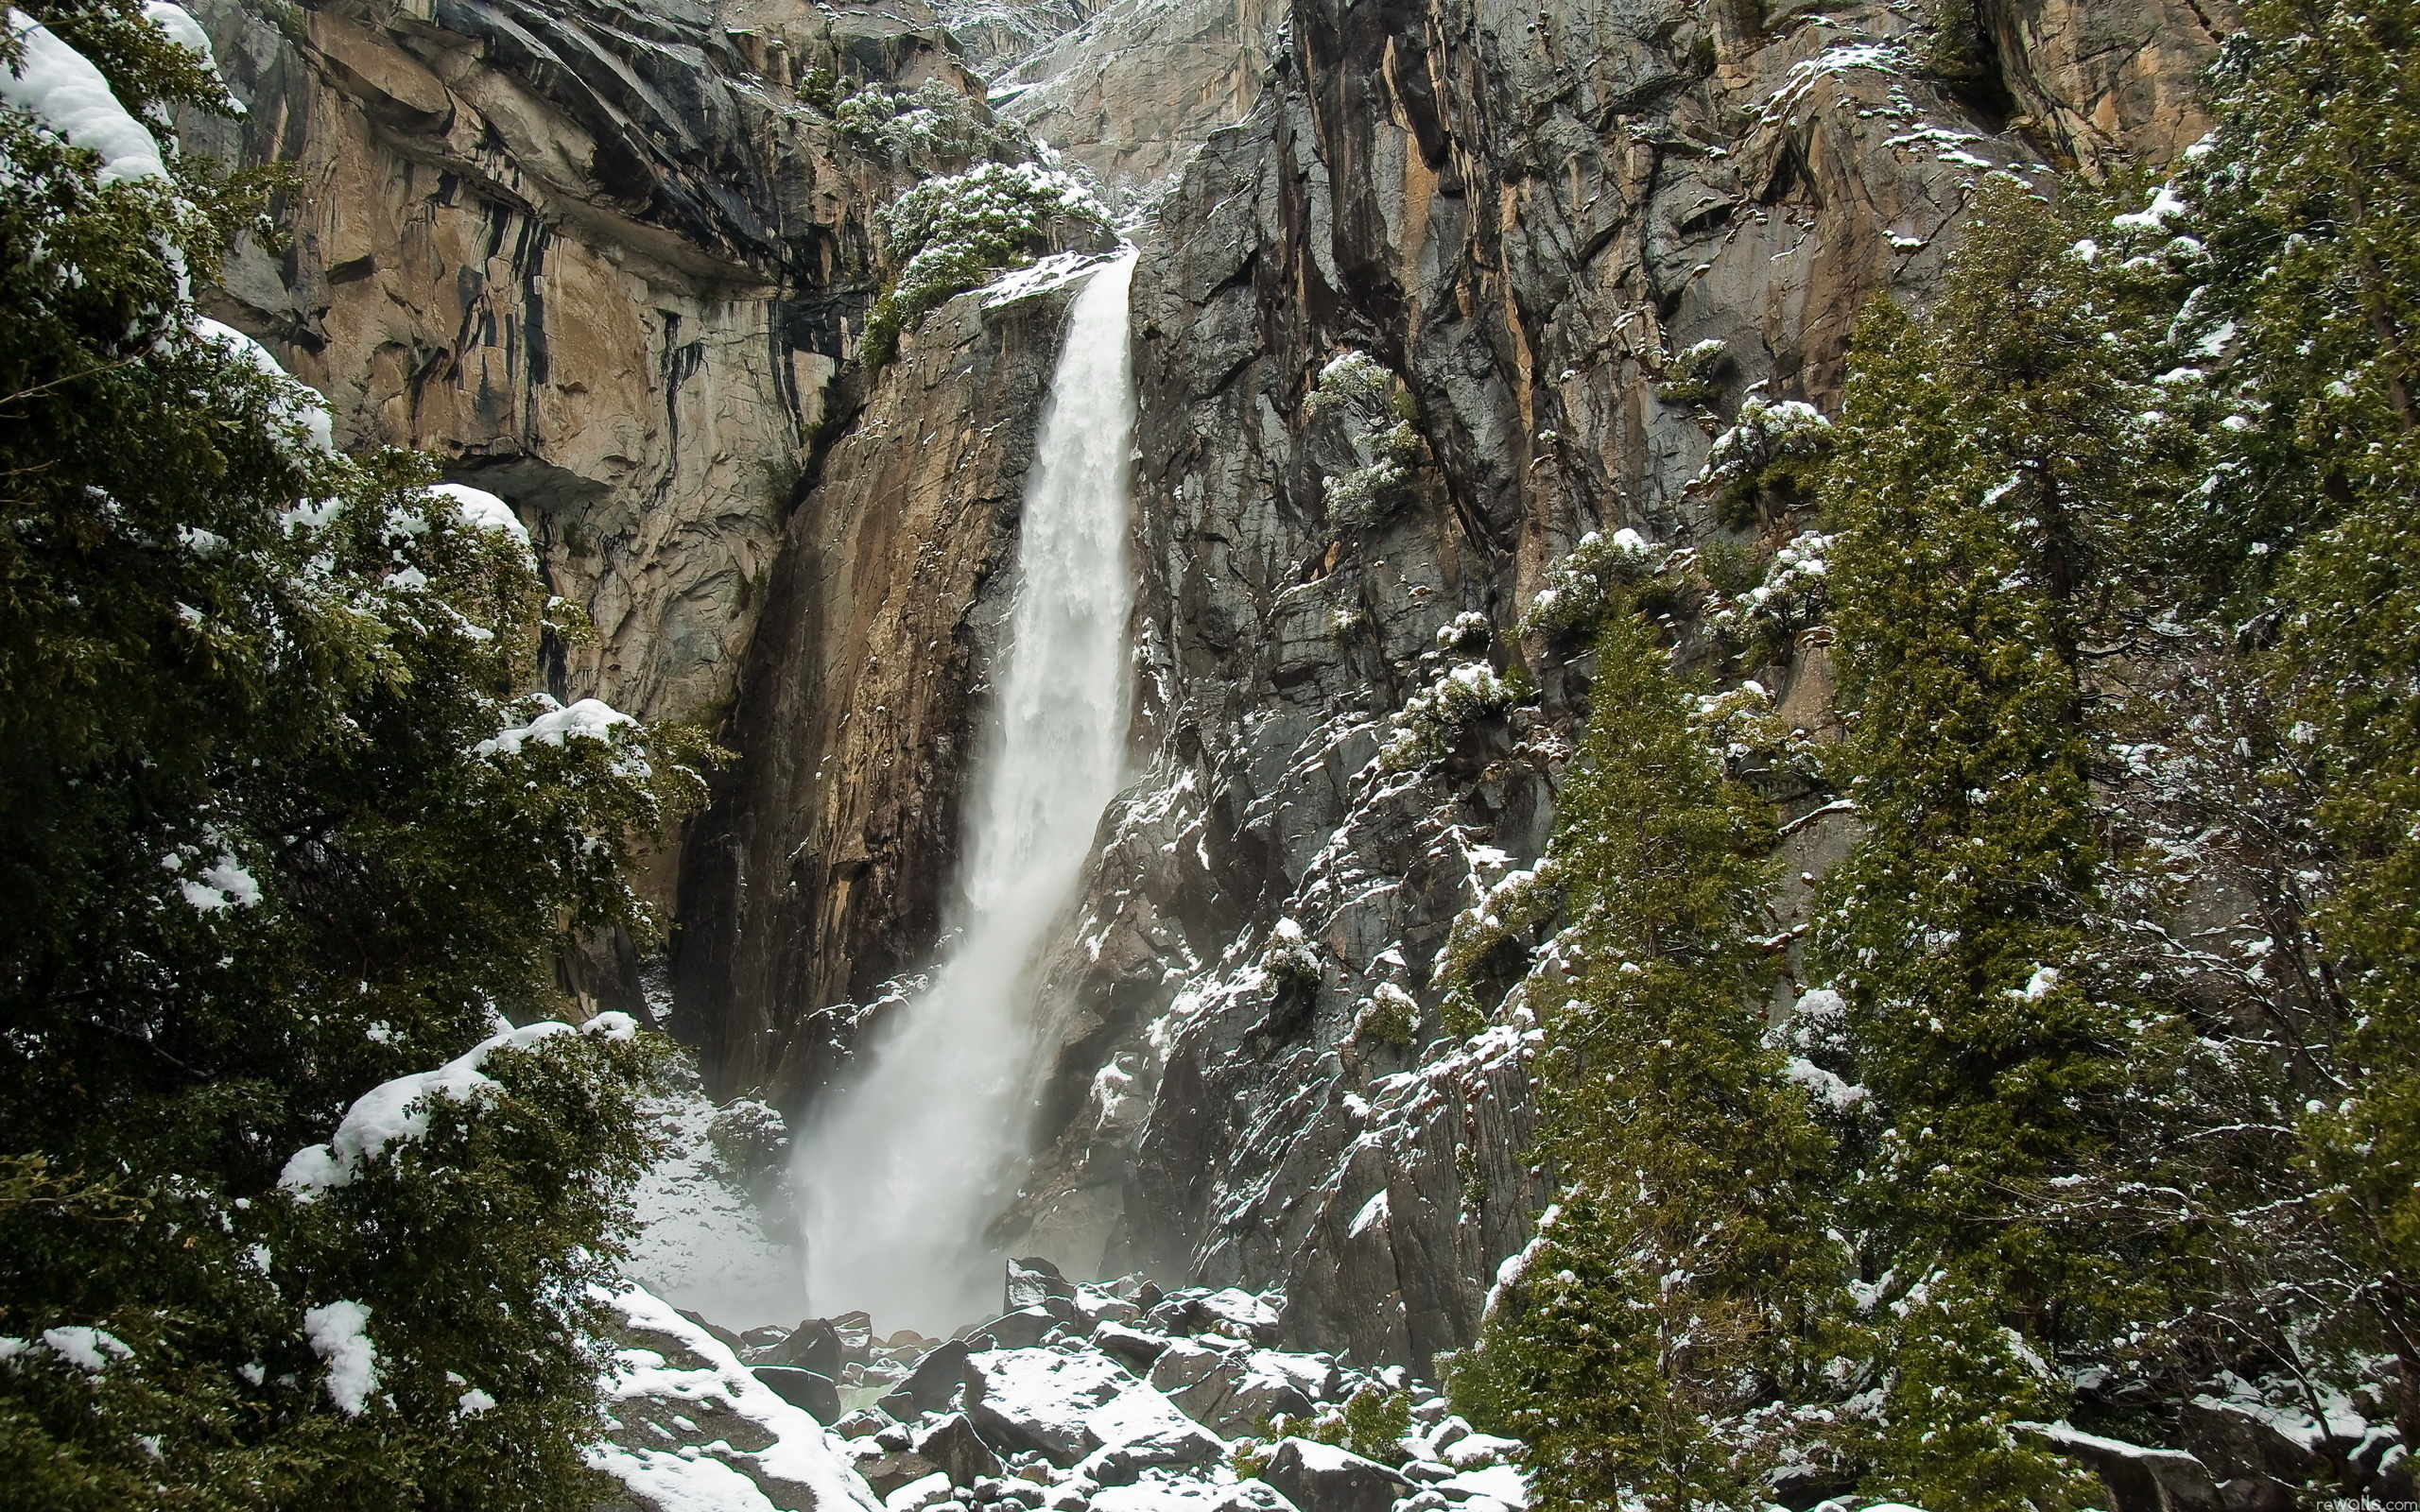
[(901, 1170)]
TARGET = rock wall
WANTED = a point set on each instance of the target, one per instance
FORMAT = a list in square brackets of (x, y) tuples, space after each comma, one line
[(1136, 85), (823, 867), (1525, 215), (601, 259)]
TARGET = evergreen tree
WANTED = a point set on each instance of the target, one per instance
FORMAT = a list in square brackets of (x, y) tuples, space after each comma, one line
[(1681, 1290), (274, 831), (1992, 479), (2315, 227)]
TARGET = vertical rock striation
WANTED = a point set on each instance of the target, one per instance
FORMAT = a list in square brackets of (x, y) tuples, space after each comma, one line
[(819, 873), (603, 260)]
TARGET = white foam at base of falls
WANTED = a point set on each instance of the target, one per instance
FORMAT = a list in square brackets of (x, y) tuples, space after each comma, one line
[(902, 1169)]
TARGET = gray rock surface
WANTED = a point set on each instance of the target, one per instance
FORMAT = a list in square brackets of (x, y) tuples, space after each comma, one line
[(1318, 1478), (810, 1389), (1520, 219), (595, 259), (818, 874)]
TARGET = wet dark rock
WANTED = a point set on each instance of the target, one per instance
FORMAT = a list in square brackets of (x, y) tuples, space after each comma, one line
[(1132, 1347), (716, 1329), (814, 1344), (2236, 1442), (895, 1469), (810, 1389), (1035, 1283), (1020, 1330), (954, 1446)]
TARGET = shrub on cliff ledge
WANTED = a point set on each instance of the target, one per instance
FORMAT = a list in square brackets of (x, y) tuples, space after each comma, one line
[(946, 235)]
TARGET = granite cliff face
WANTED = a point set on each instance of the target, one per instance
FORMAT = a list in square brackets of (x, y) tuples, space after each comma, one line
[(601, 259), (821, 868), (1464, 281), (1534, 221), (1529, 219)]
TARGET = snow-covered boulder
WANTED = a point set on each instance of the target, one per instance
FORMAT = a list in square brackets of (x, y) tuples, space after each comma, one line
[(1234, 1390), (1321, 1478), (1232, 1311), (1067, 1405), (1020, 1330), (954, 1445), (689, 1427)]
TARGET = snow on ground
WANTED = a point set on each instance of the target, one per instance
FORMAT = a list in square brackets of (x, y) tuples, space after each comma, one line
[(674, 1382), (702, 1241)]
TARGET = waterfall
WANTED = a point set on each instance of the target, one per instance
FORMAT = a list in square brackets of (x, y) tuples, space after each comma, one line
[(902, 1168)]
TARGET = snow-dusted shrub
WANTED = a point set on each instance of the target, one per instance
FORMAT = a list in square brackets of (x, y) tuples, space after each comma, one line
[(1514, 904), (933, 123), (1291, 963), (1696, 376), (1387, 1017), (1374, 414), (1741, 726), (749, 1136), (1467, 631), (1366, 496), (1425, 726), (1763, 622), (946, 235), (1581, 585), (1776, 446), (1376, 1420), (1460, 1014), (1351, 378)]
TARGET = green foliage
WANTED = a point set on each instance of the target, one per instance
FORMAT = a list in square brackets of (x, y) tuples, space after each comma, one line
[(1374, 415), (1696, 376), (1390, 1018), (1368, 496), (824, 90), (1763, 623), (1683, 1282), (1988, 501), (1376, 1420), (2314, 217), (1291, 963), (276, 832), (1249, 1458), (1590, 581), (1460, 1016), (1351, 381), (927, 128), (1425, 726), (1516, 903), (1766, 464), (1958, 1379), (946, 235)]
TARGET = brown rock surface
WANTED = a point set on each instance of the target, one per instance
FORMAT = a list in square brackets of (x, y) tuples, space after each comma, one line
[(821, 870), (594, 260)]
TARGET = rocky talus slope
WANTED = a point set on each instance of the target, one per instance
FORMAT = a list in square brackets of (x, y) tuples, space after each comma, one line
[(1122, 1397), (1126, 1398)]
